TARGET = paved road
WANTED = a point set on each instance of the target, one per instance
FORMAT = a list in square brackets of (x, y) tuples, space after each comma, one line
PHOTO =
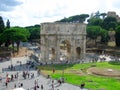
[(29, 83)]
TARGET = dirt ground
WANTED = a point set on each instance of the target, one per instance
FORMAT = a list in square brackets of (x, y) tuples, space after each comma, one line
[(104, 72), (23, 52)]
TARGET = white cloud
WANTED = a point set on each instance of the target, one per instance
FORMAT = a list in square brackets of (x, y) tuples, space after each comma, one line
[(33, 12)]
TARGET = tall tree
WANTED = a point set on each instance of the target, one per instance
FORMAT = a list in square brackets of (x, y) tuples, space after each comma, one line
[(95, 21), (93, 32), (83, 17), (21, 34), (76, 18), (2, 27), (15, 35), (104, 36), (97, 14), (117, 36), (103, 15), (8, 24), (7, 43), (109, 23), (34, 32)]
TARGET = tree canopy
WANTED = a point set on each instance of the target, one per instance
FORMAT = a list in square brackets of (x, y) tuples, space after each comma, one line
[(117, 35), (15, 35), (106, 23), (76, 18), (95, 21), (34, 32), (109, 23), (2, 26)]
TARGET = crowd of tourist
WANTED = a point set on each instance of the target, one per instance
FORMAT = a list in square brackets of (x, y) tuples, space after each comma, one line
[(24, 72)]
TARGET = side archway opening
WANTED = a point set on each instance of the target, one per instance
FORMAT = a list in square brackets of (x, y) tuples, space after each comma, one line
[(78, 51)]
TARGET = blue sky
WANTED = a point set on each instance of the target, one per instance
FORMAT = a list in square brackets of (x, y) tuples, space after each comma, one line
[(31, 12)]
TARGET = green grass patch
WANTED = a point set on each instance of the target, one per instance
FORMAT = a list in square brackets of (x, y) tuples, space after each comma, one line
[(92, 82)]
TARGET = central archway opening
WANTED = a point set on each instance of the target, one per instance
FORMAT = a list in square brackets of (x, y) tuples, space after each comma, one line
[(65, 50), (51, 53)]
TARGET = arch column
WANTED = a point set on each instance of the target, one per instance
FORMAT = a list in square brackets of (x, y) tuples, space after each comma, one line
[(47, 49), (73, 50), (43, 48), (84, 46), (58, 50)]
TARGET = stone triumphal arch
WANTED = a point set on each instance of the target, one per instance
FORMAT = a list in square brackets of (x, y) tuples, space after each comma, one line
[(63, 41)]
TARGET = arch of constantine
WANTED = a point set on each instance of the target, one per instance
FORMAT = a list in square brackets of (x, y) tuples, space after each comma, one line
[(63, 41)]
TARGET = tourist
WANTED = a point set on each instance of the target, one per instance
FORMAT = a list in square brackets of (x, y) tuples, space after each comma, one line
[(42, 87), (2, 70), (6, 84), (12, 77), (35, 82), (15, 86), (52, 81), (52, 86), (21, 84), (59, 81), (82, 85), (6, 74), (38, 72), (35, 88), (20, 63), (17, 75), (0, 79), (32, 75), (28, 74), (53, 70)]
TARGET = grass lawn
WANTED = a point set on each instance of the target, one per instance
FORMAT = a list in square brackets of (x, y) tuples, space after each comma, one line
[(77, 74)]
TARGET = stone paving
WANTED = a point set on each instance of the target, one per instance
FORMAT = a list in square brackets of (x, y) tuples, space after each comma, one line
[(29, 83)]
